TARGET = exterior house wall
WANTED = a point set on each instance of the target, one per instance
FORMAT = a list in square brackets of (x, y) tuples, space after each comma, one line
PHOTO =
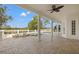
[(67, 27)]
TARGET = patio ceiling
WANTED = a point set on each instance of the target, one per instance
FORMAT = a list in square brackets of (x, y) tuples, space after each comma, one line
[(42, 9)]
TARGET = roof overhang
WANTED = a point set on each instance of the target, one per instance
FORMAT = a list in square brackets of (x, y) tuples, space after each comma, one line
[(42, 10)]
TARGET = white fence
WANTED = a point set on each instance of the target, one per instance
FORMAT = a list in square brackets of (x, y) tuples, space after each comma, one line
[(10, 33)]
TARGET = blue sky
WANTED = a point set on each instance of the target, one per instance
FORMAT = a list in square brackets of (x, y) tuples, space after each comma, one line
[(21, 17)]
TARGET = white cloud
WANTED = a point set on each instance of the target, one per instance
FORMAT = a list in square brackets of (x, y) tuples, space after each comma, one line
[(28, 12), (23, 14)]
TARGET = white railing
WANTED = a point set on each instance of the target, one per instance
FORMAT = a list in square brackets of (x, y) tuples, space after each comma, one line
[(10, 33)]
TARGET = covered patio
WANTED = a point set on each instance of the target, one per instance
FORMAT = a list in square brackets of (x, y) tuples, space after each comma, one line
[(47, 43)]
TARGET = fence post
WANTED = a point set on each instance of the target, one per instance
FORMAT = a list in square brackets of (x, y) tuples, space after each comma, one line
[(18, 31), (1, 34)]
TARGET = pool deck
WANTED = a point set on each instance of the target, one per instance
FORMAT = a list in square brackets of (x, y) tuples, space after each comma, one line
[(31, 45)]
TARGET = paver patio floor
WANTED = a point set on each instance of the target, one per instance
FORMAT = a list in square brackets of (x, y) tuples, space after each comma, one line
[(31, 45)]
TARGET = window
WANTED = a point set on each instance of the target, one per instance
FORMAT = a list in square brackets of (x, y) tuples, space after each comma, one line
[(73, 27)]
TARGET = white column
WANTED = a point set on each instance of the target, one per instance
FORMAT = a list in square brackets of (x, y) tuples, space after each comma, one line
[(39, 28), (57, 29), (51, 29)]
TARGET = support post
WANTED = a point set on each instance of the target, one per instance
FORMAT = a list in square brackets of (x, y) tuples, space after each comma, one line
[(39, 28), (57, 29), (51, 29)]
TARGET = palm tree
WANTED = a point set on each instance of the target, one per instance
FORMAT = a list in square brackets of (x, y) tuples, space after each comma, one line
[(3, 17)]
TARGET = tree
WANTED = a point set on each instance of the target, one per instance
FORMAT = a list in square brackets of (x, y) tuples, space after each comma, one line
[(3, 17), (33, 25), (45, 22)]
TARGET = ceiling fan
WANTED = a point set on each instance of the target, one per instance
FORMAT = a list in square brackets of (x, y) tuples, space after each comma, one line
[(55, 8)]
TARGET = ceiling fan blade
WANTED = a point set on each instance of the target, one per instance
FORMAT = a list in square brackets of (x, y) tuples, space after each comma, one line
[(57, 10), (59, 7), (50, 10)]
